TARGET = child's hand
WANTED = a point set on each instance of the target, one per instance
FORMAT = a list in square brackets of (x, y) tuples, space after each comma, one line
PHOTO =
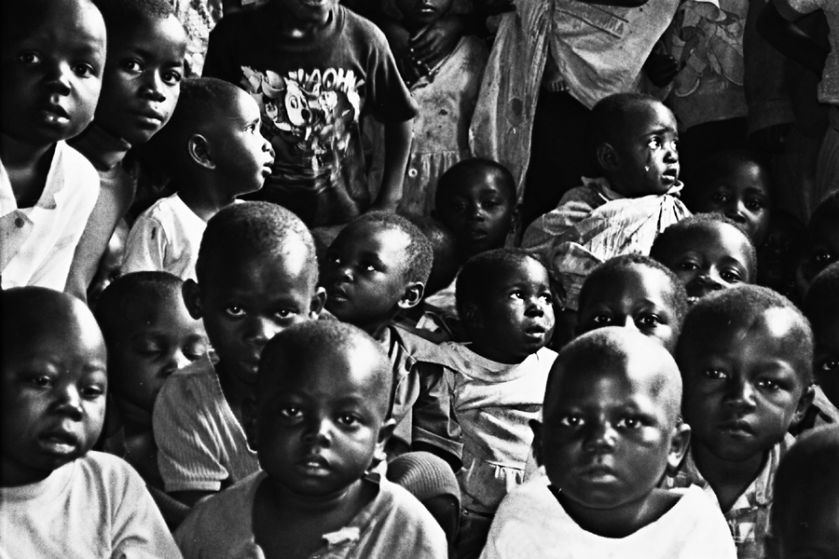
[(661, 67), (436, 40)]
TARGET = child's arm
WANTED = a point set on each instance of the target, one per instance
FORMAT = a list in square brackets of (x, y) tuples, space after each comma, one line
[(775, 25), (397, 149)]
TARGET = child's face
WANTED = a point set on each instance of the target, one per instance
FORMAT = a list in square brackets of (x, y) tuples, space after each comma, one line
[(778, 255), (826, 352), (247, 302), (517, 318), (742, 385), (647, 158), (711, 258), (145, 353), (364, 273), (419, 13), (237, 147), (640, 298), (609, 433), (319, 427), (142, 79), (822, 250), (741, 195), (53, 395), (480, 213), (52, 75)]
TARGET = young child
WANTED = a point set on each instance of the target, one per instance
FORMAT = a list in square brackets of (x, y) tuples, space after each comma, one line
[(58, 498), (496, 382), (803, 519), (745, 355), (53, 56), (315, 68), (610, 429), (634, 138), (322, 408), (821, 307), (778, 255), (256, 275), (140, 87), (708, 252), (635, 292), (822, 242), (216, 154), (445, 88), (737, 185), (376, 268)]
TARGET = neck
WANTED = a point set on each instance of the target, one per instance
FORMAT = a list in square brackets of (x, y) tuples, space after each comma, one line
[(313, 505), (205, 200), (18, 154), (102, 148), (27, 167), (722, 474), (494, 354), (617, 522)]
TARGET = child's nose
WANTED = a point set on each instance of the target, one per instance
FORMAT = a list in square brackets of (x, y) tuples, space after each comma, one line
[(262, 329), (177, 361), (317, 432), (70, 402), (58, 78), (740, 395), (629, 322), (599, 437), (152, 87)]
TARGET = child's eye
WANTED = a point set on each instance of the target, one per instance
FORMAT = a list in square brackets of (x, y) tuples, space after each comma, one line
[(687, 266), (828, 365), (234, 311), (284, 314), (715, 374), (571, 421), (92, 391), (132, 65), (516, 294), (547, 298), (172, 78), (731, 276), (348, 420), (195, 350), (629, 423), (655, 142), (769, 384), (291, 412), (755, 204), (648, 320), (823, 258), (602, 319), (720, 197), (84, 70), (369, 268), (149, 347), (41, 381), (29, 57)]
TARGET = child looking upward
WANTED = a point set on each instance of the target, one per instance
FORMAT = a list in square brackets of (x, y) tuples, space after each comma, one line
[(57, 497), (708, 252), (257, 275), (315, 68), (376, 268), (322, 408), (53, 56), (635, 141), (807, 499), (496, 382), (216, 153), (746, 359), (610, 429), (635, 292), (140, 87)]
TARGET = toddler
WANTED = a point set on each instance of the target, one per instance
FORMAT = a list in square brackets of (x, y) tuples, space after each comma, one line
[(216, 153), (256, 275), (635, 292), (708, 252), (778, 255), (315, 68), (610, 429), (376, 268), (323, 396), (53, 56), (496, 382), (637, 197), (821, 246), (807, 499), (746, 359), (57, 497), (140, 87)]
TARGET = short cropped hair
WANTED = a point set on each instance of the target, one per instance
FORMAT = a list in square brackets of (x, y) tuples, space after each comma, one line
[(679, 298), (444, 249), (608, 117), (823, 294), (252, 228), (122, 15), (126, 298), (419, 256), (671, 238), (464, 170), (478, 273), (19, 18), (745, 304)]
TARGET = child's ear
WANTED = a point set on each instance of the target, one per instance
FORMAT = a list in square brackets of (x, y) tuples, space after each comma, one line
[(192, 298), (385, 432), (198, 147), (679, 443), (607, 157), (804, 403), (412, 295), (317, 302), (536, 445)]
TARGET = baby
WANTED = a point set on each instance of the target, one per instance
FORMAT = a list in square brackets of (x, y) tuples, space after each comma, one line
[(611, 427), (708, 252), (57, 497), (323, 396)]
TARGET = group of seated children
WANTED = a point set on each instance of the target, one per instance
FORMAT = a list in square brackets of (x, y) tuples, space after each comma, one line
[(604, 382)]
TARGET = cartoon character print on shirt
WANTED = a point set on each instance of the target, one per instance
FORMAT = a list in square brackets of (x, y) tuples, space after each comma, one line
[(309, 118)]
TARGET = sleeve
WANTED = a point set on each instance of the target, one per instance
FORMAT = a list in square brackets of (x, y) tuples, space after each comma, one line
[(145, 248), (388, 98), (794, 9), (186, 433), (433, 419)]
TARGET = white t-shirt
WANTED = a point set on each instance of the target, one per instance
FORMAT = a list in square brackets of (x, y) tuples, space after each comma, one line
[(531, 523), (37, 244), (166, 237), (95, 506)]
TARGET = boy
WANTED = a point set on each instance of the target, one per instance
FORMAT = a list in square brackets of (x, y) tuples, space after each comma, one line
[(374, 269), (708, 252), (53, 55), (807, 499), (140, 86), (323, 394), (746, 359), (635, 292), (822, 243), (256, 275), (215, 153), (611, 428), (316, 68), (58, 498), (821, 307)]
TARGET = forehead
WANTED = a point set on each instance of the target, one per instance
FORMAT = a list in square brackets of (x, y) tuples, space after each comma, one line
[(480, 182), (742, 175), (270, 273), (773, 329), (63, 333), (373, 237), (161, 37), (644, 117), (76, 27), (716, 240), (527, 270), (635, 280)]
